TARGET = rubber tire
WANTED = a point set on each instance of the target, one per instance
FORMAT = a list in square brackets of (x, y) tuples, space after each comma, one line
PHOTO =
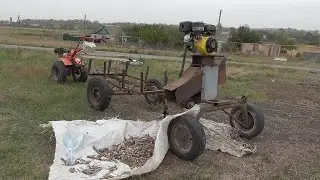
[(198, 137), (83, 77), (258, 119), (105, 93), (62, 71), (159, 85)]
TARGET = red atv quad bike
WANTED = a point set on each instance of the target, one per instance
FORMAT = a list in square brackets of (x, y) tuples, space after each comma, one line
[(69, 64)]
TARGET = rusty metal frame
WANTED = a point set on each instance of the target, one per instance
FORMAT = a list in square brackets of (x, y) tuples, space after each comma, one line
[(223, 105), (122, 78)]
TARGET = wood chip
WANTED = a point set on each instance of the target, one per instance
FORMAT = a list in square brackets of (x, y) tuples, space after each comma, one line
[(134, 151)]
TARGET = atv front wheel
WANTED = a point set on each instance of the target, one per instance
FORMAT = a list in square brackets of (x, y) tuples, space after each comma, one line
[(99, 93), (186, 137), (79, 74), (59, 72)]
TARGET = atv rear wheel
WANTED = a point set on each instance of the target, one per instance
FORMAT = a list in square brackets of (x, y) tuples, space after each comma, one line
[(255, 124), (153, 98), (59, 72), (99, 93), (186, 136), (79, 74)]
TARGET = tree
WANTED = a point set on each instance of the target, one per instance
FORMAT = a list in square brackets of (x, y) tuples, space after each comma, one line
[(311, 38), (286, 43), (157, 34), (244, 35)]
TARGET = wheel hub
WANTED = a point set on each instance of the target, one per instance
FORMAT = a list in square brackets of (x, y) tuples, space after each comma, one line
[(243, 124), (96, 94), (152, 96), (77, 72), (182, 138), (55, 74)]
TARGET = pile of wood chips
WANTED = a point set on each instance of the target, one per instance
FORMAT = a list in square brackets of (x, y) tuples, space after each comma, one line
[(134, 151)]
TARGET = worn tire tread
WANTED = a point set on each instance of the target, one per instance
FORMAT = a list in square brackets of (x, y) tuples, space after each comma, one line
[(105, 93), (198, 137)]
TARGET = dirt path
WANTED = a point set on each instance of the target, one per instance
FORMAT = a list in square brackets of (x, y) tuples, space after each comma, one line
[(172, 58), (277, 66), (98, 53)]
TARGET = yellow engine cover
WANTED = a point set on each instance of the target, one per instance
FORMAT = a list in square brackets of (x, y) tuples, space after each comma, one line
[(200, 45)]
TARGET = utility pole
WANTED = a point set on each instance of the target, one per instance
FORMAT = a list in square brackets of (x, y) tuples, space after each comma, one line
[(84, 24), (219, 29), (18, 25), (219, 23)]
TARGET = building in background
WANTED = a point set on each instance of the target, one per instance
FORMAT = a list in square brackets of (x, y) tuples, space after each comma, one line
[(108, 34), (105, 34), (306, 52), (260, 49)]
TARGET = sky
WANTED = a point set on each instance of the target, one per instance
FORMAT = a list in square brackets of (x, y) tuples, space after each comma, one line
[(300, 14)]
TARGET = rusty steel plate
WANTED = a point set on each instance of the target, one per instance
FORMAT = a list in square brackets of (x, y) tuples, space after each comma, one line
[(189, 73)]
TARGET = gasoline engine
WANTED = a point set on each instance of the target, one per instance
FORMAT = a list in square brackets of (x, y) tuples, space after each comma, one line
[(199, 37)]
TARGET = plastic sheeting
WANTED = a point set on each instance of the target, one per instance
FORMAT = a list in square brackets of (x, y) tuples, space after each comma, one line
[(75, 139)]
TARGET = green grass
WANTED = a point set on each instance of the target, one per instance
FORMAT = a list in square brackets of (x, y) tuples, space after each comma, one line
[(28, 98), (241, 86)]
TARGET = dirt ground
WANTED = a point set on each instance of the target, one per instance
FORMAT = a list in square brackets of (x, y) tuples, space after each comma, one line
[(287, 149)]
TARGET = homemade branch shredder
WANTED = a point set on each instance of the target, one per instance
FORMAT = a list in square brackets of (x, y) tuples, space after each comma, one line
[(198, 84)]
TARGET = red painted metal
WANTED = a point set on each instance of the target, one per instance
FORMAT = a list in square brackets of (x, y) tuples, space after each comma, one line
[(70, 58)]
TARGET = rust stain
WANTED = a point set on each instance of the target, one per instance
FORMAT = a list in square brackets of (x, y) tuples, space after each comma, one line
[(189, 73)]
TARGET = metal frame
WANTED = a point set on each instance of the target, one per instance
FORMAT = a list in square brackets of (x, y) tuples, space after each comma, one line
[(223, 105), (217, 105), (122, 79)]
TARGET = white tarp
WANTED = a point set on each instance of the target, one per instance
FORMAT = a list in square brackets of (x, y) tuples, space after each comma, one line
[(80, 136), (89, 44)]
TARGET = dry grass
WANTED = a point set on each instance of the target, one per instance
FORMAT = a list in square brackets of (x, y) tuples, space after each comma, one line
[(53, 38), (34, 40), (29, 71), (34, 31), (44, 41), (234, 72)]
